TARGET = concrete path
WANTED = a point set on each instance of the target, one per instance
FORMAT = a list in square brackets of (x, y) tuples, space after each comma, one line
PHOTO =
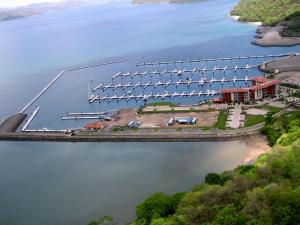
[(234, 119)]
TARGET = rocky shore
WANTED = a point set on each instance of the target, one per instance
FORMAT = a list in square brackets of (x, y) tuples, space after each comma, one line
[(271, 36)]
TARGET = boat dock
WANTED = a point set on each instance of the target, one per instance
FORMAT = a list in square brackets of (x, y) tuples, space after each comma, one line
[(216, 59), (30, 119), (200, 82), (145, 97), (42, 91), (179, 72), (90, 113), (98, 64)]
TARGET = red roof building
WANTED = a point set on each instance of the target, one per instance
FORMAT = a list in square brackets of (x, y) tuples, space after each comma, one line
[(94, 126), (261, 88)]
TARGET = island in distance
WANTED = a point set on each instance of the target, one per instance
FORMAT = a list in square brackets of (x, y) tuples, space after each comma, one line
[(162, 1), (38, 9)]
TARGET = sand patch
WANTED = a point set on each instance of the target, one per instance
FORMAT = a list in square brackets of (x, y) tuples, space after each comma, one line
[(258, 145)]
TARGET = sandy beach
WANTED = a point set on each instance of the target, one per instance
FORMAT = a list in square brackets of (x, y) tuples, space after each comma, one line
[(258, 145)]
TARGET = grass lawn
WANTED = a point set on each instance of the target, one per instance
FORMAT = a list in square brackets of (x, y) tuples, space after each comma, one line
[(221, 123), (252, 120), (161, 104), (269, 108)]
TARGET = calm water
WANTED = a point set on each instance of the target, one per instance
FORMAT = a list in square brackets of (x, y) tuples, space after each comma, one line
[(63, 183), (48, 183)]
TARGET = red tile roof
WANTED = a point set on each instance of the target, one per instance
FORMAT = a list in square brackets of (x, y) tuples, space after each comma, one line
[(265, 85), (260, 79), (235, 90), (218, 100), (96, 125)]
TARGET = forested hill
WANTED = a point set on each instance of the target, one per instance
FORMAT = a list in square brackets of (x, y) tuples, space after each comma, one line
[(265, 193), (270, 12)]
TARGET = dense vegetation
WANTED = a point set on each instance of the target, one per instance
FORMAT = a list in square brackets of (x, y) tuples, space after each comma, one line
[(283, 130), (267, 192), (271, 12), (293, 25)]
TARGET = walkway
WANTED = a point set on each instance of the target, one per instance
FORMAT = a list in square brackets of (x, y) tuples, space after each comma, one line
[(234, 120)]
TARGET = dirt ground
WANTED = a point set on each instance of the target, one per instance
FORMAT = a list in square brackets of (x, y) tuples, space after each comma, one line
[(258, 145), (152, 120), (270, 36), (289, 77)]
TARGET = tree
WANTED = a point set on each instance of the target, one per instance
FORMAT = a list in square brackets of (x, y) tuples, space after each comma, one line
[(158, 205), (104, 220), (213, 178)]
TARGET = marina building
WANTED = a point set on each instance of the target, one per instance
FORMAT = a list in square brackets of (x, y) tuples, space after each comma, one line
[(261, 88)]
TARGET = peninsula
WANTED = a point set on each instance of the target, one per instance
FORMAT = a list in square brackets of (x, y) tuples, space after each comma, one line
[(38, 9), (280, 20)]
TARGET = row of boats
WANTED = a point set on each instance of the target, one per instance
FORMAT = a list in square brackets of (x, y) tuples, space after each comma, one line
[(179, 72), (187, 82), (145, 97)]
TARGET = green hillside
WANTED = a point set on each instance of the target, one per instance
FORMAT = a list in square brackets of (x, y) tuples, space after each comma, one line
[(267, 192), (269, 12)]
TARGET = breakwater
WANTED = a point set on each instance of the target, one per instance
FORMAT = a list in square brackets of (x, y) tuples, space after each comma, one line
[(132, 137)]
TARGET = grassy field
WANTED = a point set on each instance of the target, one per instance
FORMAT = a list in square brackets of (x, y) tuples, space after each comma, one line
[(252, 120), (271, 109), (221, 123), (161, 104)]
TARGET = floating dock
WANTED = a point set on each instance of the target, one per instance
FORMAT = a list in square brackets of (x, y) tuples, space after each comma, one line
[(216, 59), (178, 71), (200, 82), (98, 64), (145, 97)]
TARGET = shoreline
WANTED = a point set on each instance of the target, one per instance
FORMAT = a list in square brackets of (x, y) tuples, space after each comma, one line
[(236, 18), (271, 36), (258, 145)]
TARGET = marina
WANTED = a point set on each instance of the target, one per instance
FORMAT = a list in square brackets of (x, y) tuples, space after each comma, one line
[(188, 82)]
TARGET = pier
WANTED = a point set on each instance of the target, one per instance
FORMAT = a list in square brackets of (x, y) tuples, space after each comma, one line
[(178, 71), (42, 91), (30, 119), (216, 59), (98, 64), (145, 97), (200, 82), (90, 113)]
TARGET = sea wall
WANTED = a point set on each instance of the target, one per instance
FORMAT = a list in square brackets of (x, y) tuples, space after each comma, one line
[(151, 137)]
